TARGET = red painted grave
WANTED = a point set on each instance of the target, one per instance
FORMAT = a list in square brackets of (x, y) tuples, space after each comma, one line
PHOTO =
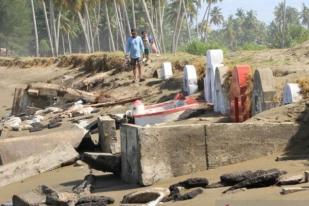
[(239, 101)]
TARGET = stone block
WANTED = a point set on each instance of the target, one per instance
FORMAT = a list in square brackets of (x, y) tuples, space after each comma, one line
[(14, 149), (109, 137), (156, 153), (129, 153)]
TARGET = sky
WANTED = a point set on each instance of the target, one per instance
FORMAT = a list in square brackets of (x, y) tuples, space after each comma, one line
[(264, 8)]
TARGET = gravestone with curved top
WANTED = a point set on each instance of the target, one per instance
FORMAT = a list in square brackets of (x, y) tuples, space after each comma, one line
[(240, 103), (263, 91)]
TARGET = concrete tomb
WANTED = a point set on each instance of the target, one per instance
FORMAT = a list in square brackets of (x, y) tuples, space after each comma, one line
[(240, 103), (221, 103), (291, 93), (263, 91), (153, 153)]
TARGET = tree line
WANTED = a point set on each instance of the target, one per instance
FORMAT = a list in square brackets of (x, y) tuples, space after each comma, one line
[(56, 27)]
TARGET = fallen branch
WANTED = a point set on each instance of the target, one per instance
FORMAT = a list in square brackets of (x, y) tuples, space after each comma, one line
[(90, 81), (116, 102)]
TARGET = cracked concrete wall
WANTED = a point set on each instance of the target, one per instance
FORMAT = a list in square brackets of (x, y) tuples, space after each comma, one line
[(230, 143), (150, 154)]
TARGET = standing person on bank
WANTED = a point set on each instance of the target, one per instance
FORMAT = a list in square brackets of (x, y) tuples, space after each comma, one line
[(146, 46), (135, 48)]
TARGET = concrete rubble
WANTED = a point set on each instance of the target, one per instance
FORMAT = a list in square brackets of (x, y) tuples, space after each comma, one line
[(41, 162)]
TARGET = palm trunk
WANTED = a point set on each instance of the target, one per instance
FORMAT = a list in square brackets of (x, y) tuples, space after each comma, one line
[(133, 13), (126, 15), (178, 35), (89, 27), (57, 33), (207, 20), (69, 43), (197, 30), (83, 24), (187, 20), (53, 25), (119, 24), (48, 29), (161, 27), (173, 46), (63, 44), (37, 52), (284, 25), (150, 23), (98, 20), (109, 28)]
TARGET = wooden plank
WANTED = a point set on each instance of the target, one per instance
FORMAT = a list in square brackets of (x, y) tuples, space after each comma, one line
[(34, 165)]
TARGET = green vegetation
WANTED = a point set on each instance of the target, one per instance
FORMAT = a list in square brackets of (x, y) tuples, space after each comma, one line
[(197, 47)]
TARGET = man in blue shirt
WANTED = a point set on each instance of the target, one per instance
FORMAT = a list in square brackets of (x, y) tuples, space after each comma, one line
[(135, 48)]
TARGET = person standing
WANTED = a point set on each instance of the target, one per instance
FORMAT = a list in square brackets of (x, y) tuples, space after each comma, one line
[(135, 49), (146, 45)]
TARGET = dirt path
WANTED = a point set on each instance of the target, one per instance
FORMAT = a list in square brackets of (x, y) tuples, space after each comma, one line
[(112, 186)]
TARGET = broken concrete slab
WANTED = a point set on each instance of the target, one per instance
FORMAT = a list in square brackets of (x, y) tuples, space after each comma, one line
[(291, 180), (108, 135), (36, 164), (13, 149), (105, 162), (29, 199)]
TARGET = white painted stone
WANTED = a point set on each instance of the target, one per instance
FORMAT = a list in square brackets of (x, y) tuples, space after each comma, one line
[(166, 71), (210, 82), (190, 80), (214, 57), (221, 99), (291, 93)]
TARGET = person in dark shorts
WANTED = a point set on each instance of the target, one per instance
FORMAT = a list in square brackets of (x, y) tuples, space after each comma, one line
[(135, 49), (146, 45)]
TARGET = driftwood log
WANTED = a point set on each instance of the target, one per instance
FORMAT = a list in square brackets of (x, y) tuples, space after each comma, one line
[(68, 94), (261, 178), (91, 81)]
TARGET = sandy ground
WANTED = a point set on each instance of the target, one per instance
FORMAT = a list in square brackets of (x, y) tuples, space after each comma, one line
[(11, 78), (109, 185)]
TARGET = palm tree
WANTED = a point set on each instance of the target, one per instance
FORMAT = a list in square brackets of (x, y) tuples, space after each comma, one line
[(48, 29), (305, 16), (216, 16), (35, 30), (207, 13), (111, 38)]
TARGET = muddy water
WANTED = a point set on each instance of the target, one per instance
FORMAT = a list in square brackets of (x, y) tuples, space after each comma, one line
[(109, 185)]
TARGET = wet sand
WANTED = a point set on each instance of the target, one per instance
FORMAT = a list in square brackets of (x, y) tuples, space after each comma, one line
[(109, 185)]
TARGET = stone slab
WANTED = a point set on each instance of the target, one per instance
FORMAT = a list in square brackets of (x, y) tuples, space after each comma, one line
[(36, 164), (14, 149)]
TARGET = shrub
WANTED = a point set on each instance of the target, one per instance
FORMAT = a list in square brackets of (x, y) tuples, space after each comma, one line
[(253, 47), (197, 47)]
